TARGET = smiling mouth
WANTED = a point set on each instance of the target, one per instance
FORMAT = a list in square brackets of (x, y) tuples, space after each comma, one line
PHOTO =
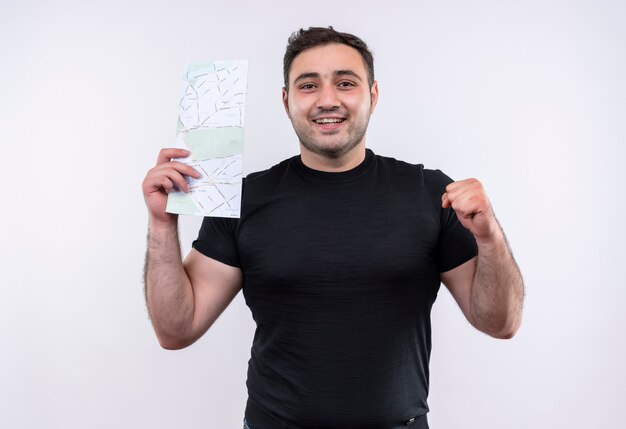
[(322, 121)]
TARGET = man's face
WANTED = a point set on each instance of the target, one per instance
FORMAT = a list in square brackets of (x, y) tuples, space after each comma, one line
[(329, 100)]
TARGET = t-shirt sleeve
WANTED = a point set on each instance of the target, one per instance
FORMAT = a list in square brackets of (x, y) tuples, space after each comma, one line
[(217, 239), (456, 243)]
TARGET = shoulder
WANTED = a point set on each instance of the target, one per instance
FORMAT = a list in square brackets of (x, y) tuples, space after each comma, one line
[(261, 187), (436, 180), (269, 173), (431, 178), (398, 166), (269, 177)]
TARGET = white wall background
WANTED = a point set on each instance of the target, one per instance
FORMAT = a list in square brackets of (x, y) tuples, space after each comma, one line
[(530, 97)]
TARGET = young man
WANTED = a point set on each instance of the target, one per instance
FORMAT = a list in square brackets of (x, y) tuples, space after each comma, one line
[(340, 254)]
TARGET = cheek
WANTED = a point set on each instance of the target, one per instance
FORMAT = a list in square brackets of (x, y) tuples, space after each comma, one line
[(297, 108), (358, 103)]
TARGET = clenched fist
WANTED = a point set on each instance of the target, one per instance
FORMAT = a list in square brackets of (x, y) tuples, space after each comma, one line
[(473, 209)]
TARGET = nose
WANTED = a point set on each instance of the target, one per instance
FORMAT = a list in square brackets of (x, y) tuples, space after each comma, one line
[(328, 99)]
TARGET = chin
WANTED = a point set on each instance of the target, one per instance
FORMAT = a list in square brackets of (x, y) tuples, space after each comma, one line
[(333, 152), (330, 150)]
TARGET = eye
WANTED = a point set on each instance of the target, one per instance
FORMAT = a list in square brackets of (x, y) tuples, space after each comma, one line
[(346, 84), (307, 86)]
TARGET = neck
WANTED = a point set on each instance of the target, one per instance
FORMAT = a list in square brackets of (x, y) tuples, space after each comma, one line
[(346, 162)]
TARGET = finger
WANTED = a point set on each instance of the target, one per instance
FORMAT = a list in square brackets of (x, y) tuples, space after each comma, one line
[(465, 213), (182, 168), (453, 190), (156, 183), (472, 189), (157, 176), (469, 205), (454, 195), (178, 180), (445, 201), (165, 185), (167, 154), (461, 184), (170, 186), (463, 201)]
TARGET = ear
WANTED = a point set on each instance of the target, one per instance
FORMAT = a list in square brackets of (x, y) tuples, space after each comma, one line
[(374, 95), (286, 100)]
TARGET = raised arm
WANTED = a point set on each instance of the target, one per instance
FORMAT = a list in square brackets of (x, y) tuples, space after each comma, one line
[(488, 288), (183, 298)]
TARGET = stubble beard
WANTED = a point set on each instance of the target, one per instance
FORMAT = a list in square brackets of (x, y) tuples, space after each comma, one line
[(356, 132)]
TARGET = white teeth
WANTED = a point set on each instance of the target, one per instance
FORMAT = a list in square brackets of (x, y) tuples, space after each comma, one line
[(328, 121)]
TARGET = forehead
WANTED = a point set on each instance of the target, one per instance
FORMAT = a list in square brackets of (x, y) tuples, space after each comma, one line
[(326, 59)]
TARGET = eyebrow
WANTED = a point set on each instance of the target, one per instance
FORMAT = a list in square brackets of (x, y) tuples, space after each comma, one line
[(315, 75), (347, 73)]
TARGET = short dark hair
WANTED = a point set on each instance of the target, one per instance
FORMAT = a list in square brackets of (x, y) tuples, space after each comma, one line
[(302, 40)]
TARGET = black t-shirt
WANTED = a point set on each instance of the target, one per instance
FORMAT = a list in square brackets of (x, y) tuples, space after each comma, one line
[(340, 273)]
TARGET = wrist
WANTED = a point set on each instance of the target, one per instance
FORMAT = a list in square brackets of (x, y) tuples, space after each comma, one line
[(492, 243), (156, 225)]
